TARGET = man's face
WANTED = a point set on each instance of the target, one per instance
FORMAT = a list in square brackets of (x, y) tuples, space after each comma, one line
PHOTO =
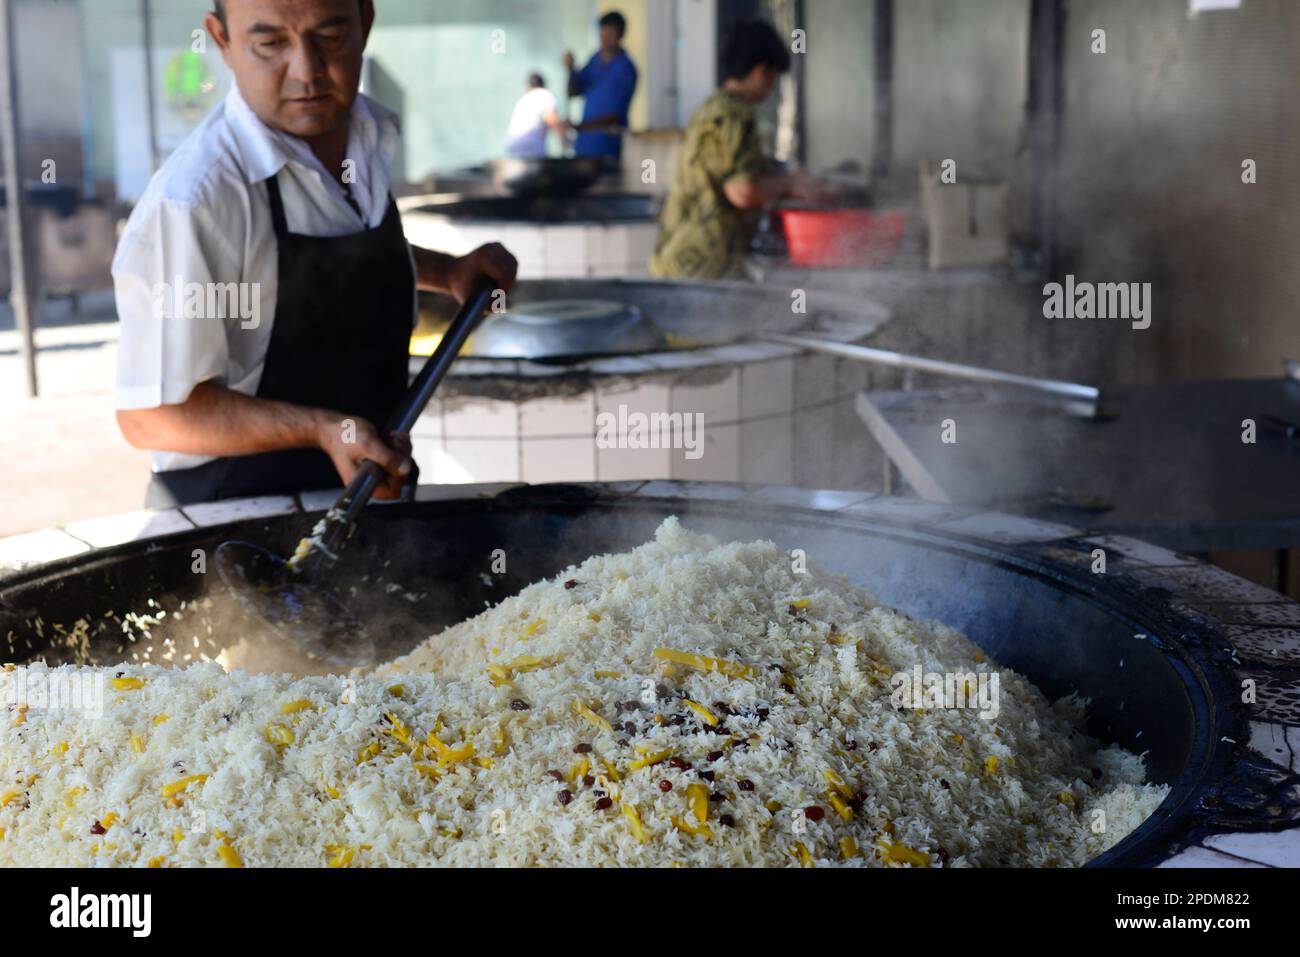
[(761, 82), (297, 62), (610, 39)]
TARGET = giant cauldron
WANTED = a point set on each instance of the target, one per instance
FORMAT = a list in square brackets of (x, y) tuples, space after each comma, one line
[(1166, 648)]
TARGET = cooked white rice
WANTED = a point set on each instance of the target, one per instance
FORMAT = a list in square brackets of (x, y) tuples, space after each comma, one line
[(428, 762)]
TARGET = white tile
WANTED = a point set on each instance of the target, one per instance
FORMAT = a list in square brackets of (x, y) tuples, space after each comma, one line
[(532, 269), (37, 548), (1007, 529), (480, 460), (1278, 848), (598, 250), (428, 453), (624, 465), (558, 416), (1200, 857), (814, 455), (131, 527), (851, 378), (566, 250), (641, 239), (714, 393), (618, 246), (428, 233), (566, 270), (814, 381), (429, 424), (766, 389), (767, 451), (476, 418), (528, 246), (239, 510), (719, 457), (681, 360), (559, 460), (639, 394)]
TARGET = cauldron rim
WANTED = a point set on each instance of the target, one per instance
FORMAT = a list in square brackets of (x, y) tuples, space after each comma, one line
[(1195, 646)]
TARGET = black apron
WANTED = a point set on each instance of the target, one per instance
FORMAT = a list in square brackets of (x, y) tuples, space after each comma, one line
[(340, 340)]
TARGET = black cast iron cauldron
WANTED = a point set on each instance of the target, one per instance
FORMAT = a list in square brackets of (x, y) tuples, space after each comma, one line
[(1024, 591)]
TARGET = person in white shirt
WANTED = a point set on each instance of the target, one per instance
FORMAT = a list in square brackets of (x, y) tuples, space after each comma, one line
[(534, 115), (265, 289)]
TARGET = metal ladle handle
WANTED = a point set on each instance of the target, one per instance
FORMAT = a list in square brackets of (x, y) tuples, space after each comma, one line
[(1083, 399), (329, 536)]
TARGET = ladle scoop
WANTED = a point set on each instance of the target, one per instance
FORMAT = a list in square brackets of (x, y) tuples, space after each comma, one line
[(289, 596)]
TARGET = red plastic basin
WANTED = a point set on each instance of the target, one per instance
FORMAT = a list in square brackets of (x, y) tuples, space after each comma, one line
[(843, 237)]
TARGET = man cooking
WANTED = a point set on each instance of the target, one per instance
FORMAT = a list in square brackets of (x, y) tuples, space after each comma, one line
[(608, 83), (722, 177), (265, 289), (534, 116)]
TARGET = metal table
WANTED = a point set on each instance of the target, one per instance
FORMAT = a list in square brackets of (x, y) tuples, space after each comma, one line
[(1171, 467)]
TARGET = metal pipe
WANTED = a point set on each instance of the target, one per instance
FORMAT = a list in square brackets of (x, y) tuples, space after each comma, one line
[(1067, 390), (1045, 107), (150, 100), (883, 117), (22, 245)]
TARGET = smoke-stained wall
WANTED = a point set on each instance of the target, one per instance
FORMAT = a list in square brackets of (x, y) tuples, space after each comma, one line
[(839, 82), (1155, 133), (961, 80)]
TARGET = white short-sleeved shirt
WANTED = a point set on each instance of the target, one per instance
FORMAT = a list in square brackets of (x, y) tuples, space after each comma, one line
[(205, 219), (526, 135)]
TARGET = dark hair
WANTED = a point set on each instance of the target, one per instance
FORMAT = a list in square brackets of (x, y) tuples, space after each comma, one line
[(750, 43), (616, 20), (220, 10), (536, 82)]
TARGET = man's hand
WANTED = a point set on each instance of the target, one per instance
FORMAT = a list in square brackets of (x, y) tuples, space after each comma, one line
[(492, 260), (349, 441), (214, 421), (568, 60)]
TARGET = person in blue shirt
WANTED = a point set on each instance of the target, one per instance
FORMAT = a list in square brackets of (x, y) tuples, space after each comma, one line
[(607, 82)]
